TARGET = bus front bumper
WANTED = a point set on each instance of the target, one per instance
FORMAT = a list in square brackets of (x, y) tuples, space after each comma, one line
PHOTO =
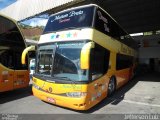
[(64, 101)]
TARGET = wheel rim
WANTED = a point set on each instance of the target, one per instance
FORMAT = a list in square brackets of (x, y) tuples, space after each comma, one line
[(111, 86)]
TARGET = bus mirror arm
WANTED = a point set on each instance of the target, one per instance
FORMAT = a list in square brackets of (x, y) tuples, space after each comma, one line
[(85, 55), (24, 53)]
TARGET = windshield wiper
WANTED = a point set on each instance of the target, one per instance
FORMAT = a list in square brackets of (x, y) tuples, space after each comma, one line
[(48, 32), (66, 78)]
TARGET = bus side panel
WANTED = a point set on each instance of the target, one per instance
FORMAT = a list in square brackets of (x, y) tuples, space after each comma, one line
[(97, 91), (21, 79), (122, 76), (6, 79)]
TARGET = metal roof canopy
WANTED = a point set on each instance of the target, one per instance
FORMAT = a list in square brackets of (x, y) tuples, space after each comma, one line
[(133, 15), (23, 9)]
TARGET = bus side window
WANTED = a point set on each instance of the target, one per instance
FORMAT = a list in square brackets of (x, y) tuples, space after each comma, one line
[(99, 61), (123, 61)]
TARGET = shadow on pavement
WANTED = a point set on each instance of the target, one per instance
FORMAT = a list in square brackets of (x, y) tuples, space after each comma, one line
[(15, 94)]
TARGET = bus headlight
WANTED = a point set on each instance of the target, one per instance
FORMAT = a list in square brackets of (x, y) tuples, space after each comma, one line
[(76, 94)]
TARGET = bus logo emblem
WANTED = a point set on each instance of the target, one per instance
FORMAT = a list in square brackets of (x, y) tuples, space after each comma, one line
[(50, 89)]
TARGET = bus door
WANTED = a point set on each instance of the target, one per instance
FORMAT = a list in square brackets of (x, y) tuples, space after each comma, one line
[(21, 74), (21, 78), (6, 79), (96, 59), (6, 70)]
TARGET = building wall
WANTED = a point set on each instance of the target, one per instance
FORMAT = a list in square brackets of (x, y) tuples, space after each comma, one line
[(149, 51)]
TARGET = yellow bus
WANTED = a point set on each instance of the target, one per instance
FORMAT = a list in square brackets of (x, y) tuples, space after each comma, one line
[(82, 56), (13, 74)]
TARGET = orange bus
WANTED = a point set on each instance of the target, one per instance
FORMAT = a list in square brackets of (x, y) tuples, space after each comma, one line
[(13, 74), (83, 56)]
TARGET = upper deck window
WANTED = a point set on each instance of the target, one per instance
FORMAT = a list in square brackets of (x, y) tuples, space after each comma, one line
[(76, 18)]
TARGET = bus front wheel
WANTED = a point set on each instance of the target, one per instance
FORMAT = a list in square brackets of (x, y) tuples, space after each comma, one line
[(111, 86)]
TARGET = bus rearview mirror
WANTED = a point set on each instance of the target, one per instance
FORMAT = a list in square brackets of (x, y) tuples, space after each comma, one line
[(85, 55), (24, 53)]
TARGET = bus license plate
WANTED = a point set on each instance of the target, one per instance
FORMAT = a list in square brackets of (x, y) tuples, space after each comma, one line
[(51, 100)]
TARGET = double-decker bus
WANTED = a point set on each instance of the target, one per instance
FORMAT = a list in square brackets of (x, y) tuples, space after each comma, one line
[(83, 56), (13, 74)]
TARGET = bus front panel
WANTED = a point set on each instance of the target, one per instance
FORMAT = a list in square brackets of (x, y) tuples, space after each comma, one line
[(60, 80)]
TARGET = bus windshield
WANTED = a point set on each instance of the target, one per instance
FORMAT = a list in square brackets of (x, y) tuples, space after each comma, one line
[(77, 18), (61, 60)]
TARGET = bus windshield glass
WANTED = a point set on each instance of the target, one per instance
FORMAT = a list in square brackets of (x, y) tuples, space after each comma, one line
[(11, 45), (80, 17), (61, 60)]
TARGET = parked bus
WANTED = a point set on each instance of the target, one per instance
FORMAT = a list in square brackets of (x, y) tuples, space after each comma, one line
[(13, 74), (83, 56)]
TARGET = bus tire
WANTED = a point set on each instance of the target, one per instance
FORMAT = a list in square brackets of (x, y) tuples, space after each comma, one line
[(111, 86)]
